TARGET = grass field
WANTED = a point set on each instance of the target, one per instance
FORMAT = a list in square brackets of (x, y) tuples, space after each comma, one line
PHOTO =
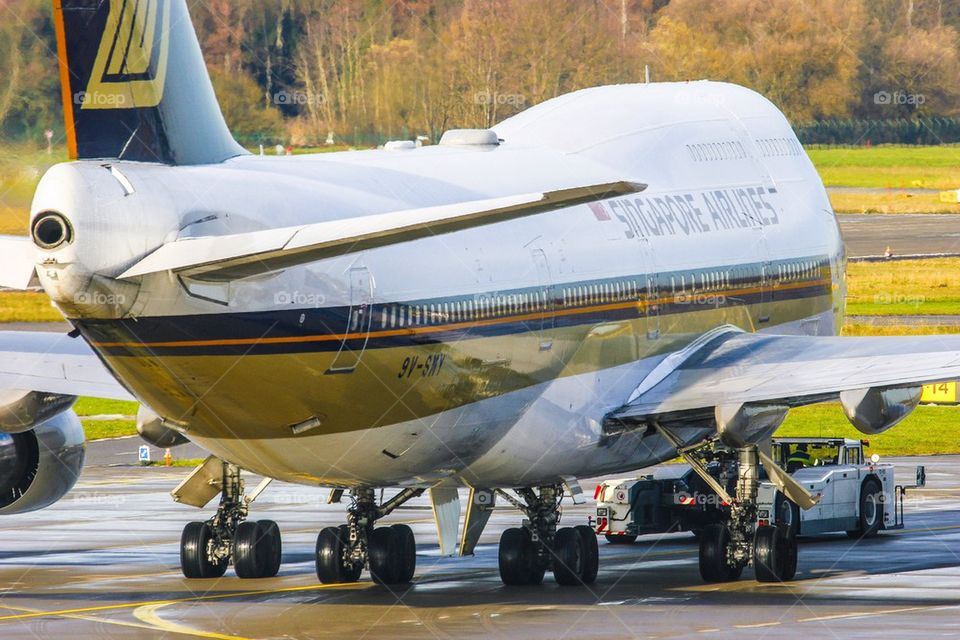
[(21, 167), (928, 430), (891, 202), (27, 307), (904, 287), (889, 167)]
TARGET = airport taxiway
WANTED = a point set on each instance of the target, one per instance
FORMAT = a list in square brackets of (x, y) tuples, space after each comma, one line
[(104, 563), (904, 233)]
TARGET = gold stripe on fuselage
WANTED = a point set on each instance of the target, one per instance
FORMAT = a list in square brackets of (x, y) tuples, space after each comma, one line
[(260, 396)]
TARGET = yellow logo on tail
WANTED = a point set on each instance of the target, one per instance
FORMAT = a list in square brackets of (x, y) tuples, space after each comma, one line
[(131, 65)]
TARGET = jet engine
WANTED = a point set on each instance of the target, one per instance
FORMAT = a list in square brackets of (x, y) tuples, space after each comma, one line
[(21, 411), (875, 410), (38, 467)]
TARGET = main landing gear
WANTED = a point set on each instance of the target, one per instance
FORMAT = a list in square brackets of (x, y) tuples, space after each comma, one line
[(207, 548), (727, 548), (389, 553), (527, 552)]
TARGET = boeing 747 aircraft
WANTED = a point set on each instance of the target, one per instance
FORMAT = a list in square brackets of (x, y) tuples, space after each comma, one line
[(607, 280)]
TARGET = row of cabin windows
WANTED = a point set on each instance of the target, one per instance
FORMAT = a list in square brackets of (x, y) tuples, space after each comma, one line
[(600, 293), (770, 147), (800, 270), (711, 151), (400, 316), (415, 315)]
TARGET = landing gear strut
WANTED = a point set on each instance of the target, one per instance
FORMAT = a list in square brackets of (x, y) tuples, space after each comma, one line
[(527, 552), (727, 548), (390, 553), (254, 548)]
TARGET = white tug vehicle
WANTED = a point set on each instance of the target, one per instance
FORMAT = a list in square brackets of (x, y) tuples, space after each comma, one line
[(857, 495)]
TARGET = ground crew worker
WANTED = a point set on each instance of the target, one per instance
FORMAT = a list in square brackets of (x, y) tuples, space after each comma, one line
[(799, 458)]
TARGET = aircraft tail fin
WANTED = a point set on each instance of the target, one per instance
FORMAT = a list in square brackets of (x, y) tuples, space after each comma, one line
[(135, 86)]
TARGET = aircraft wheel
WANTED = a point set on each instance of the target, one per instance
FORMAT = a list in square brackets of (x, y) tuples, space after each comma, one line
[(871, 510), (331, 544), (591, 554), (790, 549), (193, 552), (770, 554), (383, 549), (274, 546), (620, 539), (568, 557), (407, 548), (714, 542), (257, 549), (787, 514), (517, 558)]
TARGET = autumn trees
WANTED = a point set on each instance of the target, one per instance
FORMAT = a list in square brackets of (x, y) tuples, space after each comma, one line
[(294, 71)]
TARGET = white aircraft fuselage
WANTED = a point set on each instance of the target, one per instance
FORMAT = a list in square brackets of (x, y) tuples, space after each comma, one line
[(486, 357)]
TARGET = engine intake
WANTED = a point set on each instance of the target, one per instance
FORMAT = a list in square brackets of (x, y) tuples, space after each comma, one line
[(39, 467)]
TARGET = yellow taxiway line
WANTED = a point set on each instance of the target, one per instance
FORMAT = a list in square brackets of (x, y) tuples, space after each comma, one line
[(216, 596)]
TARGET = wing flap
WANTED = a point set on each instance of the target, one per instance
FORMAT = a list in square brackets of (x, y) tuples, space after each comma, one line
[(244, 255)]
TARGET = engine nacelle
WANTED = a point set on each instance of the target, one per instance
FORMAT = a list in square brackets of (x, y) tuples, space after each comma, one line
[(153, 430), (875, 410), (39, 467), (23, 410)]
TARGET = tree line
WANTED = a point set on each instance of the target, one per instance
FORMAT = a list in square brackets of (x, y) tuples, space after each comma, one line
[(301, 72)]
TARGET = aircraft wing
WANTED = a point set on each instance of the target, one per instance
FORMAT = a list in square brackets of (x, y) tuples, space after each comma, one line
[(727, 367), (17, 269), (236, 256), (55, 363)]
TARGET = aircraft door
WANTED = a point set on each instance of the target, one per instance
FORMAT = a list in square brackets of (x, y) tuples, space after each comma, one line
[(358, 321), (651, 297), (768, 282), (545, 301)]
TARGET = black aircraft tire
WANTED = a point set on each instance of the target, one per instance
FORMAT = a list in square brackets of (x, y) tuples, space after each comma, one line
[(713, 555), (270, 533), (514, 557), (567, 557), (768, 554), (193, 553), (591, 554), (385, 560), (407, 548)]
